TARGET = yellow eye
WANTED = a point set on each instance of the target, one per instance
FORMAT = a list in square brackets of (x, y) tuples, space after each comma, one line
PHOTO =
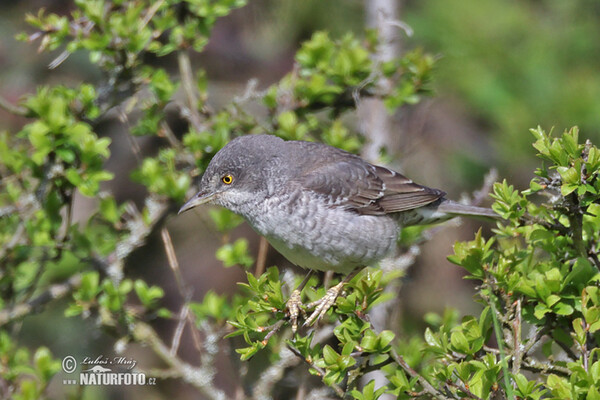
[(227, 179)]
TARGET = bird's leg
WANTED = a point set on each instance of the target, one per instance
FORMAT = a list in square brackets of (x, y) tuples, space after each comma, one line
[(294, 303), (325, 303)]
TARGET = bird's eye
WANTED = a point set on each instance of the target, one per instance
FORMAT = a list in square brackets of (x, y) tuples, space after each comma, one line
[(227, 179)]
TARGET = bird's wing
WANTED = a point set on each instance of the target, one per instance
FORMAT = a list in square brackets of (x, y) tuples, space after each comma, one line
[(366, 188)]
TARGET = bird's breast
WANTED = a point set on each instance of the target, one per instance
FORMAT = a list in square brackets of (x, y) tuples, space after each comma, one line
[(312, 234)]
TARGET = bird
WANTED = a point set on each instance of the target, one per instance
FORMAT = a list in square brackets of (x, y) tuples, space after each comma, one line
[(321, 207)]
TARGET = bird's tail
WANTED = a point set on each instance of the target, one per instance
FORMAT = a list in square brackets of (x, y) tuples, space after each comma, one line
[(452, 207)]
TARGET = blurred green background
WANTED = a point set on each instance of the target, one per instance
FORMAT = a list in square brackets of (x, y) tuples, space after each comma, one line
[(504, 66)]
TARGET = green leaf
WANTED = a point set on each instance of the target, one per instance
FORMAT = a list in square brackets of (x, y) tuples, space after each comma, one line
[(330, 355), (235, 254), (147, 295)]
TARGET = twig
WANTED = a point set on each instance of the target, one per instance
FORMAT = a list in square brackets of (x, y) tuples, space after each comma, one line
[(172, 259), (541, 331), (567, 350), (62, 57), (151, 12), (189, 88), (273, 330), (273, 374), (54, 292), (576, 223), (480, 195), (377, 366), (184, 290), (460, 386), (179, 330), (414, 374), (517, 347), (11, 108), (165, 131), (491, 349), (320, 371), (532, 365), (200, 377), (135, 147), (261, 258)]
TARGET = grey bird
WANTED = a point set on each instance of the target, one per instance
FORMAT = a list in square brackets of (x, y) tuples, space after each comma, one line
[(321, 207)]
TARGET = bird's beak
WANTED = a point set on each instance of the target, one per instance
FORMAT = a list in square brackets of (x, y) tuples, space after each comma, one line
[(199, 198)]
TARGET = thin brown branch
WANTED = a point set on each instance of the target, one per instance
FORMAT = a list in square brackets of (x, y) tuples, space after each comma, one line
[(261, 258), (11, 108), (167, 133), (378, 366), (184, 290), (460, 386), (273, 330), (172, 259), (181, 321), (479, 196), (427, 387), (517, 344), (151, 12), (189, 89), (135, 147)]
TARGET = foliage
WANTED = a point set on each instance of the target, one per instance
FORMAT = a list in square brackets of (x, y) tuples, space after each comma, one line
[(58, 156), (536, 336)]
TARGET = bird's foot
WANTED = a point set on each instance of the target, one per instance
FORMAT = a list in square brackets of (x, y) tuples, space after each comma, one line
[(294, 308), (324, 304)]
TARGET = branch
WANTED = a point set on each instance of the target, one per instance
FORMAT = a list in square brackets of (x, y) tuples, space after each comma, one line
[(11, 108), (54, 292), (320, 371), (261, 258), (414, 374), (460, 386), (200, 377), (532, 365), (517, 344), (273, 374), (189, 89)]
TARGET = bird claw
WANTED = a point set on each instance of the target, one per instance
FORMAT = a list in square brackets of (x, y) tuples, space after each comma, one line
[(294, 308), (323, 304)]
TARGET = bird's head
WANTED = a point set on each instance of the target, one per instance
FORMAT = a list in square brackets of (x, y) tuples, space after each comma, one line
[(239, 173)]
